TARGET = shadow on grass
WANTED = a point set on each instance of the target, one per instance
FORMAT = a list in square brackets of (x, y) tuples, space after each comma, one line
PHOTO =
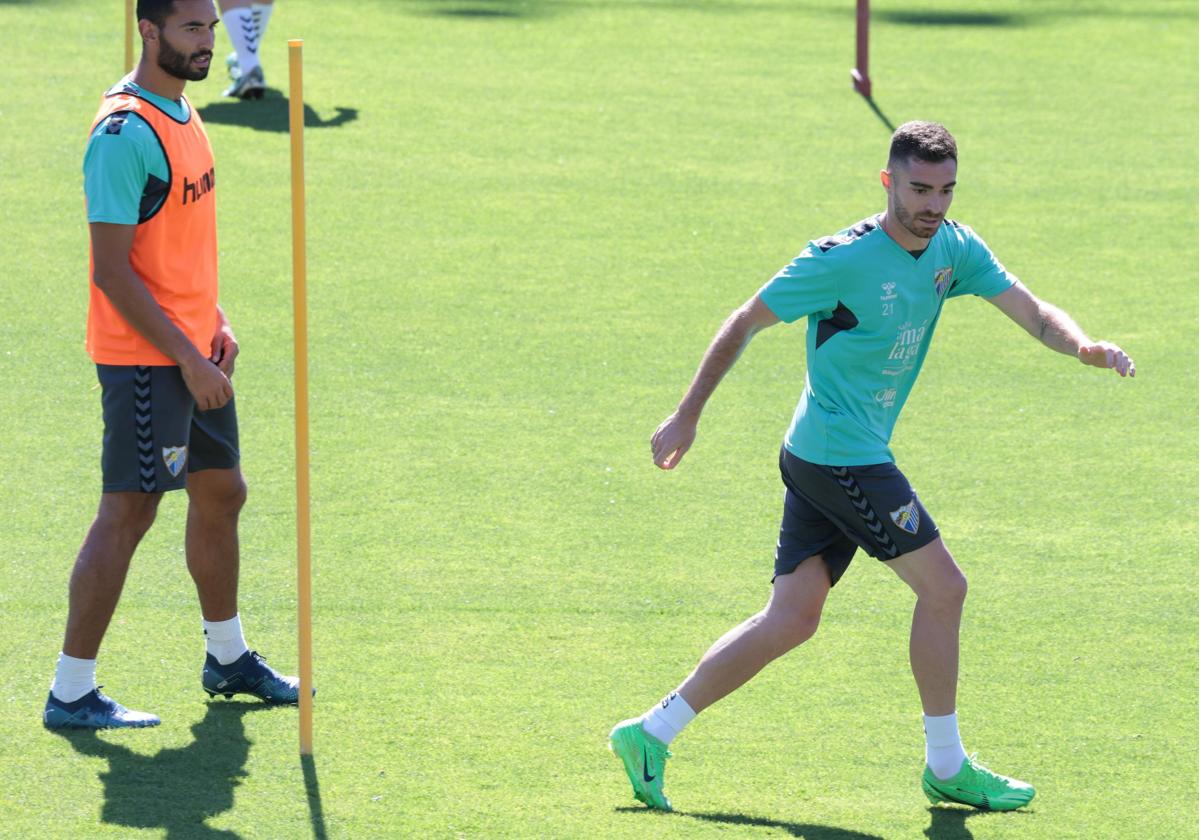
[(808, 831), (947, 17), (175, 789), (269, 113), (498, 9), (524, 9), (312, 786), (950, 823), (878, 112)]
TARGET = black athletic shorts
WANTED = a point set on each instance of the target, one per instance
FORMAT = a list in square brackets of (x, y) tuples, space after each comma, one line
[(153, 434), (833, 511)]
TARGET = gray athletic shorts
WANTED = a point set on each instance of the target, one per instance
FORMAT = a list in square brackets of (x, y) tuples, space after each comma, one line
[(153, 434), (834, 511)]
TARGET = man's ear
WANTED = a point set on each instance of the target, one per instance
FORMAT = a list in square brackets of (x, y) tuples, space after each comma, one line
[(147, 29), (885, 177)]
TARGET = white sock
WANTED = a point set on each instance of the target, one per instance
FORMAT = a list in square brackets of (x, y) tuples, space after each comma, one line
[(239, 23), (224, 639), (262, 16), (666, 719), (943, 745), (73, 678)]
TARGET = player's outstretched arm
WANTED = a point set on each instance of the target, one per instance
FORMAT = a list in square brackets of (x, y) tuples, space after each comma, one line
[(1058, 331), (676, 433)]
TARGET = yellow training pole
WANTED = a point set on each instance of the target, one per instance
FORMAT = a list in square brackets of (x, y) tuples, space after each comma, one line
[(295, 51), (128, 35)]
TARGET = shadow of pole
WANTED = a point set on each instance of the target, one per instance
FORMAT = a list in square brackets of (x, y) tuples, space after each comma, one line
[(176, 789), (312, 786), (878, 112)]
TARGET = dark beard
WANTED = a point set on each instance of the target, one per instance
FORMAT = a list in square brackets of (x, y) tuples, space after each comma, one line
[(909, 221), (174, 63)]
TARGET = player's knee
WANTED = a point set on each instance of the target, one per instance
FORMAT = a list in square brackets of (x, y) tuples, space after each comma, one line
[(794, 629), (221, 498), (129, 514), (950, 591)]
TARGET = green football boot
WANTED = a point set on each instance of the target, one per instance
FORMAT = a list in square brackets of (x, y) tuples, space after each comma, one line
[(644, 758), (978, 787)]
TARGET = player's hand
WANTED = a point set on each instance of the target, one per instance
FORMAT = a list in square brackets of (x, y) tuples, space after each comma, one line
[(1104, 354), (209, 385), (672, 439), (224, 348)]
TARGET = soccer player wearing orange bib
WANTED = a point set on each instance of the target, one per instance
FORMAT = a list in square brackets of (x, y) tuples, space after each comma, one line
[(164, 355)]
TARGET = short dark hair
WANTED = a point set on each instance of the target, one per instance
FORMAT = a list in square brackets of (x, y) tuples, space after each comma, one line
[(927, 141), (155, 11)]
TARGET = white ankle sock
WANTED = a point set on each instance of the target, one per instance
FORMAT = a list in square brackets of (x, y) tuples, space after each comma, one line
[(943, 745), (239, 23), (666, 719), (73, 678), (224, 639), (262, 15)]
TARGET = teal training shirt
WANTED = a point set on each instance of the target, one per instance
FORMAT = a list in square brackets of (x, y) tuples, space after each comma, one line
[(871, 308), (122, 154)]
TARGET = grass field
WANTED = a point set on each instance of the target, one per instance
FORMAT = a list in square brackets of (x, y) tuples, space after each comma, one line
[(527, 219)]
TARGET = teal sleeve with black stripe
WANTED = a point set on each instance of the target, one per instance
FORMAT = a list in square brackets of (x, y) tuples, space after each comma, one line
[(121, 153)]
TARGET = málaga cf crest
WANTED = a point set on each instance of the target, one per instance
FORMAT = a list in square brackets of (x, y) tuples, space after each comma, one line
[(907, 517), (175, 457), (941, 280)]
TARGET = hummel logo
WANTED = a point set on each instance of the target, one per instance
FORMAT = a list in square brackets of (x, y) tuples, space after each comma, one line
[(645, 761)]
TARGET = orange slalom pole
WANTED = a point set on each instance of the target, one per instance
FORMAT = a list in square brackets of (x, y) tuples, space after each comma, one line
[(861, 71), (299, 269), (129, 13)]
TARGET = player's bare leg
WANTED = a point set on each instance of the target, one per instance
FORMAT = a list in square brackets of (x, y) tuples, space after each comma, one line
[(100, 568), (789, 619), (215, 499), (940, 589)]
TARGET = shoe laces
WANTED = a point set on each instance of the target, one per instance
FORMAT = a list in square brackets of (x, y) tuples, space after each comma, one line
[(988, 776)]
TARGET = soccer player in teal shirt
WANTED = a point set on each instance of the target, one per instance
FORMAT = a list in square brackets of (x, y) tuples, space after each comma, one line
[(872, 295)]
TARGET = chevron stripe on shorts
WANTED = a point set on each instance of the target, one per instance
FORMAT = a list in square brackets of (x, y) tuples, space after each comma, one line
[(862, 507), (143, 429)]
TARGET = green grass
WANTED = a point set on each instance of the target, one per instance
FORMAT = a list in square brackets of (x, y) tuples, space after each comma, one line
[(521, 241)]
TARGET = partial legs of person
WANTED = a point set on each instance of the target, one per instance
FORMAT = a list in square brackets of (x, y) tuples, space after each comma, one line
[(246, 21), (949, 774), (97, 579), (790, 618), (214, 502), (215, 498)]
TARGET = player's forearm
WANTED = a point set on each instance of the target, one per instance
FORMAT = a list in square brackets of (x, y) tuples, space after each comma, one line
[(133, 301), (732, 338), (1058, 331)]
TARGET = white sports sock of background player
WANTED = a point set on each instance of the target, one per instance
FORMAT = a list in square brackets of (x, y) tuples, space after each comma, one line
[(262, 16), (238, 18)]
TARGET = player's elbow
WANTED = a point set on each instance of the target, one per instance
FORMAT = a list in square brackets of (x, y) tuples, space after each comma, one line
[(106, 280), (106, 275)]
